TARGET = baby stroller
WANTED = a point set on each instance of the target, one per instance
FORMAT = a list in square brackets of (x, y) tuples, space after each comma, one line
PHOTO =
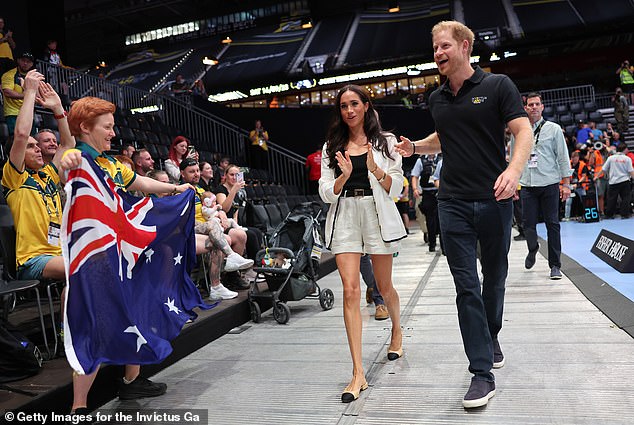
[(290, 265)]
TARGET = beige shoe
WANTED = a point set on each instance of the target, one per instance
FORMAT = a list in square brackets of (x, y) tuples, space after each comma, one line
[(381, 312)]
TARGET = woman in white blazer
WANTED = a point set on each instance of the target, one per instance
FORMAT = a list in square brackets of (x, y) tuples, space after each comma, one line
[(360, 174)]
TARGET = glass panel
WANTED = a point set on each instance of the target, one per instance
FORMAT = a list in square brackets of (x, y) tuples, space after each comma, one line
[(391, 87), (403, 84), (315, 98), (417, 85), (328, 97)]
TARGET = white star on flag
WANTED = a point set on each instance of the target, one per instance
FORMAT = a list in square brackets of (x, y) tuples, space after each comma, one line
[(149, 254), (178, 258), (140, 340), (171, 306)]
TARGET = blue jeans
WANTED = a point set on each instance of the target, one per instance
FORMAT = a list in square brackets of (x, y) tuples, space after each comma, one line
[(367, 273), (464, 223), (546, 200)]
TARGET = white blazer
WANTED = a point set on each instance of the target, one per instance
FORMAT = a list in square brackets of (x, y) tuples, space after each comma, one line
[(390, 222)]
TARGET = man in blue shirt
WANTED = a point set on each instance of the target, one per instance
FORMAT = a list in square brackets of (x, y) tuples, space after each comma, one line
[(547, 165)]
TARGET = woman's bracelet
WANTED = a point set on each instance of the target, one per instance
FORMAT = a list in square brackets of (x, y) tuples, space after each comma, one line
[(174, 190), (413, 149), (382, 179), (375, 168)]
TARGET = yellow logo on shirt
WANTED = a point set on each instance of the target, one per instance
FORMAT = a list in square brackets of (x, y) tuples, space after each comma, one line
[(478, 100)]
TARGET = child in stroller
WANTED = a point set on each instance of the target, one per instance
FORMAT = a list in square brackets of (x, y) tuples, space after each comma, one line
[(290, 265)]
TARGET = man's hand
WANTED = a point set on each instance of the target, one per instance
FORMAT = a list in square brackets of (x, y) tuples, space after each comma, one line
[(506, 184), (417, 193), (405, 147), (183, 187), (32, 80), (564, 193), (48, 98)]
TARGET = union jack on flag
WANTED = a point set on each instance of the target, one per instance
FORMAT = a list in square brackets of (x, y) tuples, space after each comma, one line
[(127, 266)]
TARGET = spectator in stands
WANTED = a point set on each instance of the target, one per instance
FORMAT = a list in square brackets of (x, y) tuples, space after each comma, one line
[(578, 183), (594, 161), (143, 162), (629, 153), (620, 172), (621, 111), (232, 196), (12, 89), (219, 170), (361, 173), (129, 164), (425, 190), (92, 120), (180, 86), (27, 180), (548, 164), (596, 134), (627, 79), (259, 148), (6, 48), (199, 89), (313, 170), (583, 132), (616, 140), (230, 245), (161, 176), (47, 142), (372, 294), (470, 110), (608, 134), (207, 177), (180, 149), (51, 55), (128, 150)]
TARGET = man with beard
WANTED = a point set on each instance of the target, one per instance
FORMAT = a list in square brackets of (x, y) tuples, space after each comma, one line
[(475, 201), (12, 89)]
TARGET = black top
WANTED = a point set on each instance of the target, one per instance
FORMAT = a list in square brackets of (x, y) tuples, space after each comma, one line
[(359, 176), (471, 130), (234, 206)]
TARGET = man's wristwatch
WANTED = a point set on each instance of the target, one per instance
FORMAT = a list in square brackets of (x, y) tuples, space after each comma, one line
[(567, 186)]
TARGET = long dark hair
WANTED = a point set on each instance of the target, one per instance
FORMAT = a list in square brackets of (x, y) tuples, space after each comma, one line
[(338, 133)]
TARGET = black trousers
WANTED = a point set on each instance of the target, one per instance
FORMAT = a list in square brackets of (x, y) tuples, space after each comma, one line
[(429, 207), (624, 190)]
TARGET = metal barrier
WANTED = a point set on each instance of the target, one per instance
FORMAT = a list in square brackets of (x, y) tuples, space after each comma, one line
[(207, 131), (567, 95)]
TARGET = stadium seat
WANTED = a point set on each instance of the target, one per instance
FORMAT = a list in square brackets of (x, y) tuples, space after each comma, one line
[(595, 116), (571, 130), (576, 108), (561, 109), (602, 126), (581, 116), (565, 120), (589, 106), (549, 111)]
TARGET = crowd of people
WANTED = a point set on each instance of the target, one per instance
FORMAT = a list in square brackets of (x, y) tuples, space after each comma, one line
[(359, 172)]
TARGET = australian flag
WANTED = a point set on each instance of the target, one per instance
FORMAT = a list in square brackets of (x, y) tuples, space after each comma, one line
[(127, 266)]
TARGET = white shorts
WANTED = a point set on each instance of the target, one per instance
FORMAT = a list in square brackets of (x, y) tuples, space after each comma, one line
[(356, 228)]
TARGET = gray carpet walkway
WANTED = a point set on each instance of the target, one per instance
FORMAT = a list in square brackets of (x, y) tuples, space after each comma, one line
[(566, 362)]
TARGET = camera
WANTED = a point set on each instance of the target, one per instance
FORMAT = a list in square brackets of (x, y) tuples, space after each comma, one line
[(598, 146)]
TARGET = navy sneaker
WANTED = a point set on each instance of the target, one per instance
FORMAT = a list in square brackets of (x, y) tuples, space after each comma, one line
[(555, 273), (479, 393), (530, 258)]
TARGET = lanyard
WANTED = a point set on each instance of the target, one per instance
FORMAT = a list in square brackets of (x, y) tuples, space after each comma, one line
[(537, 131), (46, 192)]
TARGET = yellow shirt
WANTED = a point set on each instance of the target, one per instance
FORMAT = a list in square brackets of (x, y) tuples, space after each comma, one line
[(33, 198), (405, 192), (5, 49), (11, 106), (199, 205), (257, 141), (119, 173)]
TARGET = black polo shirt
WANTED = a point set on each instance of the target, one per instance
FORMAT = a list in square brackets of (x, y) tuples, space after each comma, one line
[(471, 130)]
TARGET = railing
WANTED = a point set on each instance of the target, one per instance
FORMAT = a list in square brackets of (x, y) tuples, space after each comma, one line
[(287, 166), (207, 131), (567, 95), (604, 100)]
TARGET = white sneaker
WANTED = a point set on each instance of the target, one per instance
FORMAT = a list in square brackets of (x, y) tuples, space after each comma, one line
[(236, 262), (220, 292)]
